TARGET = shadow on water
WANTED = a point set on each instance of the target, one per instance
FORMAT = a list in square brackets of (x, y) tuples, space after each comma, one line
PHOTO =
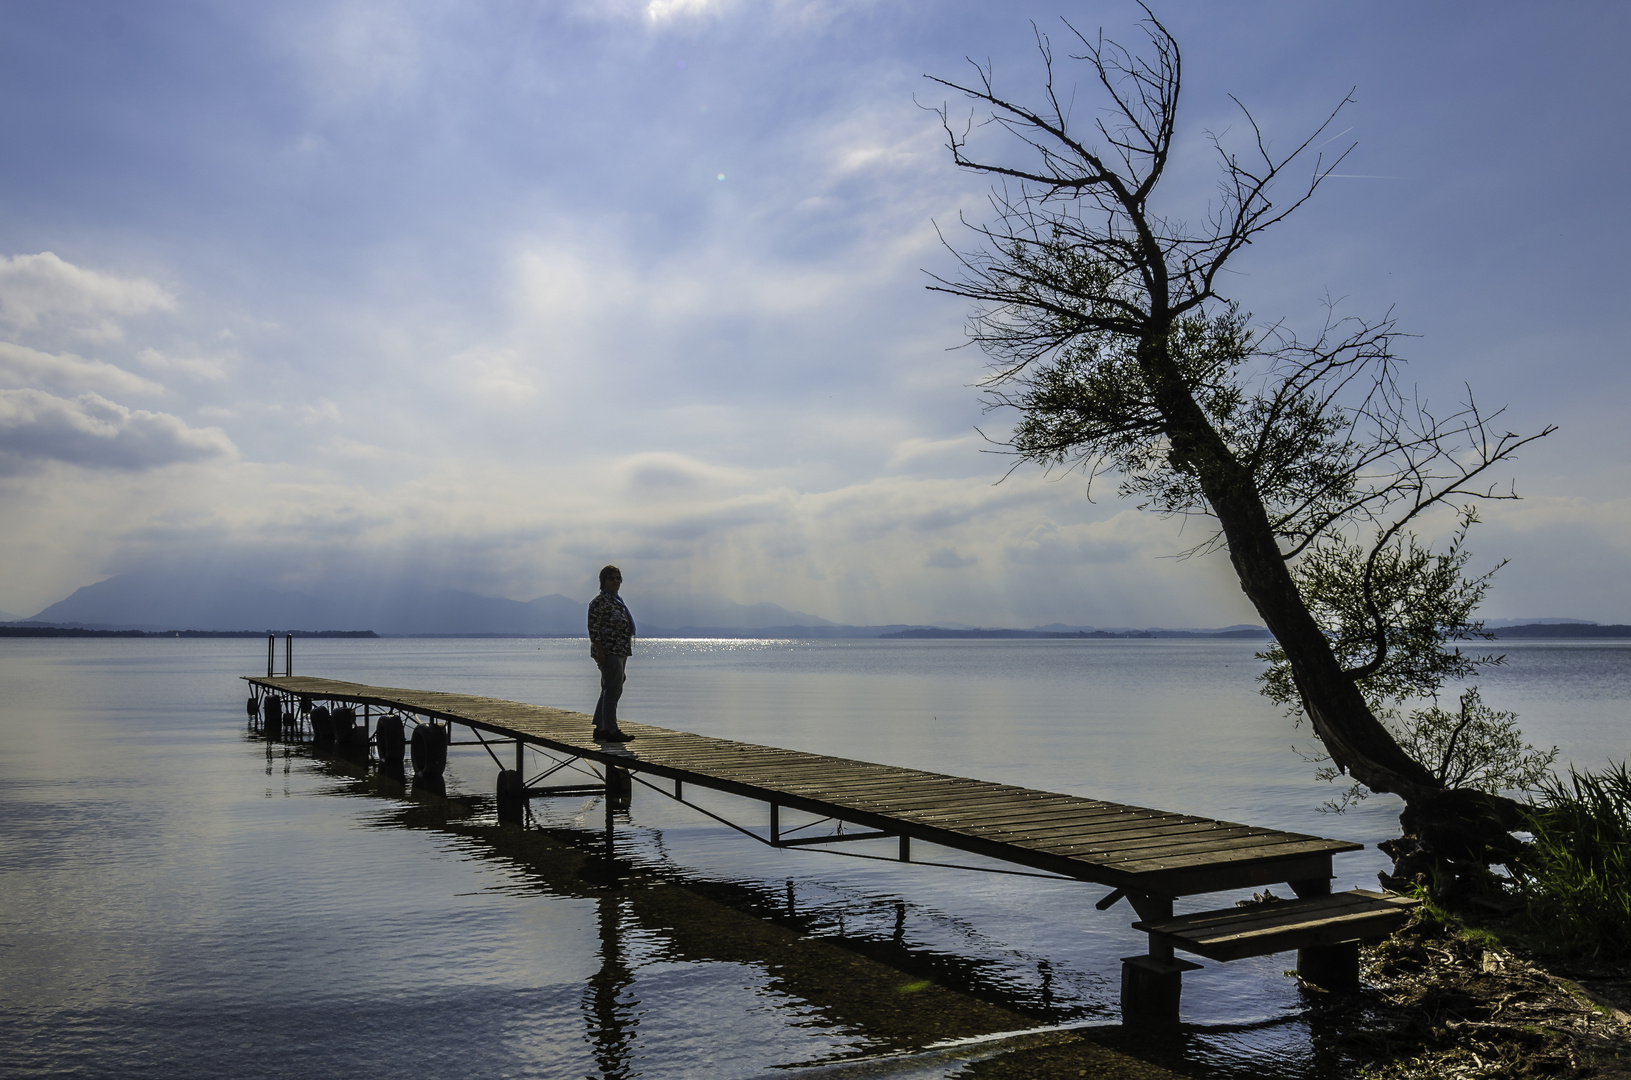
[(909, 1011)]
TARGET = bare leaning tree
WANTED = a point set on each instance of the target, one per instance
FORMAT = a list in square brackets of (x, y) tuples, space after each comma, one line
[(1110, 336)]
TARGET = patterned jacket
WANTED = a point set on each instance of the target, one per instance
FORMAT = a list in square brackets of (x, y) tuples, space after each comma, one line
[(610, 624)]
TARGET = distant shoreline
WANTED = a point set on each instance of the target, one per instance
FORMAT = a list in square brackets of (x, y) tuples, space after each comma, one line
[(82, 632), (935, 632), (1563, 630)]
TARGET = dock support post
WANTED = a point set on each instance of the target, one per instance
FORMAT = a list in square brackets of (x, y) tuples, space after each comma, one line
[(389, 740), (428, 748), (619, 789), (775, 824), (1151, 988), (1329, 967), (1152, 985), (512, 796), (905, 848)]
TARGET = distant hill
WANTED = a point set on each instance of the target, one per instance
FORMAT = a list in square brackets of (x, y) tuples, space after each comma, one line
[(167, 602), (1252, 632), (26, 629), (1563, 630), (6, 616), (701, 613)]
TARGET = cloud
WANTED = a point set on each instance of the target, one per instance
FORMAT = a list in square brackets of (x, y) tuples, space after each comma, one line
[(39, 290), (203, 368), (661, 11), (1127, 535), (94, 432), (671, 475), (20, 364), (947, 558)]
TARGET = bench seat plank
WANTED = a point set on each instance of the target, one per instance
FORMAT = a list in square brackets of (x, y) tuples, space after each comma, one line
[(1261, 929)]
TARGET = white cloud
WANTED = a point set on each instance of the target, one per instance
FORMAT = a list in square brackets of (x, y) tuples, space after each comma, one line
[(39, 290), (23, 366), (203, 368), (319, 413), (1128, 535), (661, 11), (94, 432)]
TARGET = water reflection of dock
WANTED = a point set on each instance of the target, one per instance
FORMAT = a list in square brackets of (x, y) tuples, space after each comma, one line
[(1149, 857)]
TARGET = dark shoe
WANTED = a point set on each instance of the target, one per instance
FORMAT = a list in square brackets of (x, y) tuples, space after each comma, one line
[(617, 736)]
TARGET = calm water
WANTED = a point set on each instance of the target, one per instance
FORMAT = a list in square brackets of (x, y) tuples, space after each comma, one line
[(181, 899)]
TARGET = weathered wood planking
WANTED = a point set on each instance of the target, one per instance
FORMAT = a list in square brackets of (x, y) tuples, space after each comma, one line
[(1128, 847)]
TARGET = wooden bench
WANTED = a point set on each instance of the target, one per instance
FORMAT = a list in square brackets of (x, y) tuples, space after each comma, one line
[(1325, 931), (1261, 929)]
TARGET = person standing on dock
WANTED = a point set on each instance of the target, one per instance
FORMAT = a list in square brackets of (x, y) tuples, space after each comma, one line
[(611, 643)]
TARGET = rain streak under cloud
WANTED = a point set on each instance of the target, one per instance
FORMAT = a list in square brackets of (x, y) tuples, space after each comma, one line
[(487, 296)]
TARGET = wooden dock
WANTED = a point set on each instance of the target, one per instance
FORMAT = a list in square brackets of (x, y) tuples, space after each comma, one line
[(1147, 856)]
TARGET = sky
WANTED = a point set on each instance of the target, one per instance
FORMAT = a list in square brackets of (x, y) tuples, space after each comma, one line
[(484, 296)]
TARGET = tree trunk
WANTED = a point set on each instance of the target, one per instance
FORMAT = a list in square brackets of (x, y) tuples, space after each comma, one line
[(1450, 837)]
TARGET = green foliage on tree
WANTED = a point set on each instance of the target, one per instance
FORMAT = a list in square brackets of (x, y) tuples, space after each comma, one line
[(1475, 746), (1393, 612)]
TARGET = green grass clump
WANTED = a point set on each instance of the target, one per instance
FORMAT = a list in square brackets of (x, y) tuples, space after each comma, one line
[(1577, 882)]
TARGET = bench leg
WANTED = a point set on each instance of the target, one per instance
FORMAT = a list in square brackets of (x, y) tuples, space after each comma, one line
[(1330, 967)]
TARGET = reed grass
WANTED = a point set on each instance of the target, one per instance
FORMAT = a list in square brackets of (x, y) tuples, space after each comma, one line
[(1577, 883)]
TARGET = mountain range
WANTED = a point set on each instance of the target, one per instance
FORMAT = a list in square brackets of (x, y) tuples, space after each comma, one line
[(158, 601)]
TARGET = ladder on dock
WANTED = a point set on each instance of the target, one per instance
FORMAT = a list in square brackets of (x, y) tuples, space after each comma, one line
[(1149, 857)]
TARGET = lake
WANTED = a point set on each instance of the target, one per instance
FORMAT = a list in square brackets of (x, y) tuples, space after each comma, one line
[(183, 899)]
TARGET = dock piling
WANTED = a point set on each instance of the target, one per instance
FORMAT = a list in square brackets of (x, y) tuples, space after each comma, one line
[(512, 797), (322, 725), (619, 788), (1330, 967), (428, 749), (389, 741)]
